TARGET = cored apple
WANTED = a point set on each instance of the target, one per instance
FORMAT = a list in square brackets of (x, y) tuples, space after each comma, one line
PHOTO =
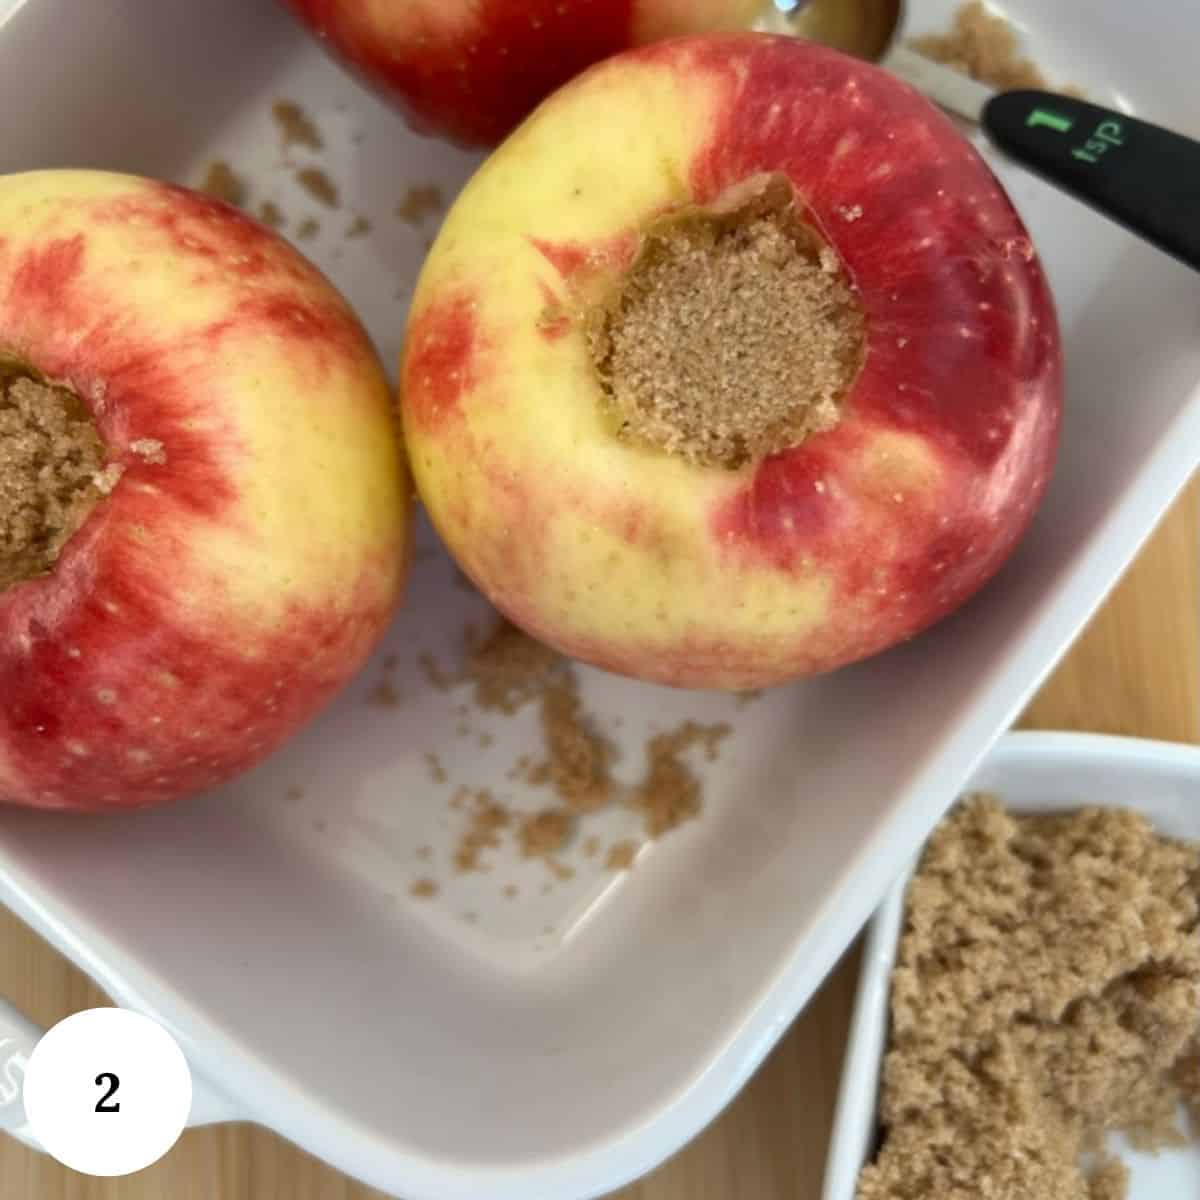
[(203, 503), (732, 365), (473, 69)]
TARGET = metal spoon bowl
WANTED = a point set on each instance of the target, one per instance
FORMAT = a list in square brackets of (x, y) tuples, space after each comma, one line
[(863, 28)]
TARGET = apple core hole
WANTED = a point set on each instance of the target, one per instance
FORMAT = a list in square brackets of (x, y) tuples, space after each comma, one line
[(51, 463), (735, 333)]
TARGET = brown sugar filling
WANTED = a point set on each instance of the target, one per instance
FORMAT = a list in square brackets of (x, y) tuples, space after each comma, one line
[(51, 472), (734, 335)]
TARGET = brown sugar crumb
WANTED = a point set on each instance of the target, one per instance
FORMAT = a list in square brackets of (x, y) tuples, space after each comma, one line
[(1047, 991), (544, 833), (318, 185), (52, 472), (384, 694), (424, 853), (271, 215), (424, 889), (508, 669), (436, 771), (1108, 1181), (359, 227), (485, 741), (309, 228), (420, 201), (434, 674), (735, 334), (488, 819), (621, 855), (294, 793), (510, 891), (559, 870), (221, 182), (577, 758), (669, 792), (709, 737), (985, 47), (296, 127), (745, 699), (1187, 1079)]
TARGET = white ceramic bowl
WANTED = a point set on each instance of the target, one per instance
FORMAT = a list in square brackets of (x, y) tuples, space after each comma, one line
[(439, 1059), (1030, 772)]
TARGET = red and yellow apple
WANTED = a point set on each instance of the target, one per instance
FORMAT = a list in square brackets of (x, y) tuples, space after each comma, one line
[(242, 544), (473, 69), (857, 534)]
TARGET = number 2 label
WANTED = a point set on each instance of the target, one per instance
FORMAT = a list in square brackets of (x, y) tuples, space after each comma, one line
[(112, 1082), (111, 1061)]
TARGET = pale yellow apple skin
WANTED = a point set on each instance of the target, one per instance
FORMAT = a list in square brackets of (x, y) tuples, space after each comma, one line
[(638, 561), (255, 543)]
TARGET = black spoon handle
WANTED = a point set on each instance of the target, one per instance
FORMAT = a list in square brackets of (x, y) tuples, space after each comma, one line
[(1142, 176)]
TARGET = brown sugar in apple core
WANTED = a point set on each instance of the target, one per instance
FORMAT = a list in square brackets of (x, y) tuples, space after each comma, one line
[(52, 472), (735, 334)]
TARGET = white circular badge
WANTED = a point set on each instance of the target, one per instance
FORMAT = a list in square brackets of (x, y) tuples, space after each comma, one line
[(107, 1092)]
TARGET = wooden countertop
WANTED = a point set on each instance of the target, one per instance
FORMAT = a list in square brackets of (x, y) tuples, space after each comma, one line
[(1135, 671)]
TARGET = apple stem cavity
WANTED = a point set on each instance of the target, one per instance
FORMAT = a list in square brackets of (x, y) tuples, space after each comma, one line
[(734, 335), (51, 459)]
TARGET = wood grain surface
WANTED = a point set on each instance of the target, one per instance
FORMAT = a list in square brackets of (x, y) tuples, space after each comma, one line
[(1135, 671)]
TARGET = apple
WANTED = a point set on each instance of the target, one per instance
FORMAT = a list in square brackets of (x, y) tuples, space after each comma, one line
[(203, 502), (732, 365), (472, 70)]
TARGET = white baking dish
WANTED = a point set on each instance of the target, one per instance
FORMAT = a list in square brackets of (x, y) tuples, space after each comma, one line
[(278, 940), (1030, 772)]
